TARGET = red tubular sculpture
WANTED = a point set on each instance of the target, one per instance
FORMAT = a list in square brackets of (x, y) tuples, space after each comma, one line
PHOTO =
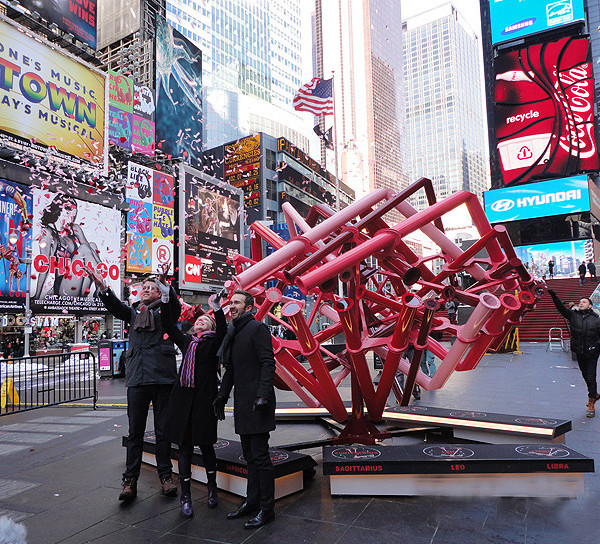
[(357, 273)]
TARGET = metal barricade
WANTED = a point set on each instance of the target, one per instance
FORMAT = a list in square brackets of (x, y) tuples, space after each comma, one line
[(555, 343), (33, 382)]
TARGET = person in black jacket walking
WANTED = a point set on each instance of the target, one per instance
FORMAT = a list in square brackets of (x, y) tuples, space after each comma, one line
[(190, 419), (150, 373), (247, 353), (584, 324)]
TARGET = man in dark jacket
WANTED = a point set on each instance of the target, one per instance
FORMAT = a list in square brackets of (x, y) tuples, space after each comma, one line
[(247, 353), (151, 372), (581, 270), (585, 342), (592, 268)]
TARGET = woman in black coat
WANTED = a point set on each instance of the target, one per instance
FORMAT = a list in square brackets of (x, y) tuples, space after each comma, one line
[(190, 419)]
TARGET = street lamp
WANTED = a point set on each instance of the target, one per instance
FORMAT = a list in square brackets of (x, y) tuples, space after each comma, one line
[(13, 238)]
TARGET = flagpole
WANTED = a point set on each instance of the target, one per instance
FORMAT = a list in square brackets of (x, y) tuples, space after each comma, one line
[(335, 148)]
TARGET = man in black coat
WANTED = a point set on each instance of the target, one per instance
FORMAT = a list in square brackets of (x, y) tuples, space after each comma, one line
[(592, 268), (247, 353), (581, 270), (584, 324), (150, 373)]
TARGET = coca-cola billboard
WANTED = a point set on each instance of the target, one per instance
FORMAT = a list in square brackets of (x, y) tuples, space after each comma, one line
[(544, 116)]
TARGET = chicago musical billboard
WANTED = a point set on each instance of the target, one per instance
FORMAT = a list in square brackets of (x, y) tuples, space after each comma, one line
[(542, 199), (49, 99), (544, 115), (511, 19), (211, 212)]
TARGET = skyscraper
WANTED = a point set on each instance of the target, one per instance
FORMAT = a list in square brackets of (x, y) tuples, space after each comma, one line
[(362, 44), (445, 123), (252, 65)]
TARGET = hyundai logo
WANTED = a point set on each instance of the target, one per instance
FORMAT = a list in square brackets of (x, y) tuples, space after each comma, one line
[(502, 205)]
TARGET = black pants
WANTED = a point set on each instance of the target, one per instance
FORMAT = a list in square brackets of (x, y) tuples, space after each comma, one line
[(186, 448), (261, 477), (138, 403), (587, 365)]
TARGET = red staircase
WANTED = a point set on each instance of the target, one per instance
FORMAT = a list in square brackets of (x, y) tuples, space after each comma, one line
[(536, 324)]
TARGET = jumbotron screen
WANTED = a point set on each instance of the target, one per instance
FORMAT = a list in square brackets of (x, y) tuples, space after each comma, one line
[(544, 115)]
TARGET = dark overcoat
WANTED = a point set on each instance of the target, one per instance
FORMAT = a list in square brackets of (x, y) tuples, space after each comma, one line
[(150, 357), (584, 326), (195, 404), (251, 372)]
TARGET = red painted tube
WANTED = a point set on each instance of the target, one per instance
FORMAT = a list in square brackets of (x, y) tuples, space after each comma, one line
[(406, 318)]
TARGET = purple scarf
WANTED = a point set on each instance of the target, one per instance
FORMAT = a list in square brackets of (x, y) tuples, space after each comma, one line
[(186, 378)]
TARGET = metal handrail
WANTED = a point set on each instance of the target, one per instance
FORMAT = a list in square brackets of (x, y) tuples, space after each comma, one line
[(27, 383)]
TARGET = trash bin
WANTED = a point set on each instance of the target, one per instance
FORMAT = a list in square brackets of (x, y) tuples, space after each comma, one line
[(109, 356)]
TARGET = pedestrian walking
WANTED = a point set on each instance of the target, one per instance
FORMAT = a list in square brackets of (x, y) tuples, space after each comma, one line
[(592, 269), (550, 268), (582, 273), (584, 324), (190, 419), (247, 354), (150, 373), (451, 308)]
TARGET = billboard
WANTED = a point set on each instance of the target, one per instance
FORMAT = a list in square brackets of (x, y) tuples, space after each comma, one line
[(511, 19), (131, 110), (211, 212), (242, 170), (70, 236), (178, 95), (542, 199), (15, 212), (544, 115), (150, 198), (49, 99), (75, 16), (566, 256)]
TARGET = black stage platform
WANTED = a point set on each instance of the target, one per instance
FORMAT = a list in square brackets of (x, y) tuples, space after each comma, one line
[(290, 467), (532, 470)]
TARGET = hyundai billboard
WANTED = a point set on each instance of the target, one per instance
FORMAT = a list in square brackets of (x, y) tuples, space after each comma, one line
[(513, 19), (544, 114), (543, 199)]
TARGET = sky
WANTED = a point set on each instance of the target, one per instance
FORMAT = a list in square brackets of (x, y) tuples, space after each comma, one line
[(469, 9)]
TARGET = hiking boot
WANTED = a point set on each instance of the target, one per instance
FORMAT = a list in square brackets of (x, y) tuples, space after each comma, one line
[(591, 411), (169, 486), (129, 489)]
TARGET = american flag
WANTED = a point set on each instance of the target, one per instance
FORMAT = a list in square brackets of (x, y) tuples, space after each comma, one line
[(315, 97)]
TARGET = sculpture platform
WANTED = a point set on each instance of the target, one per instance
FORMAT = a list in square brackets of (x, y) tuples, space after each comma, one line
[(478, 470)]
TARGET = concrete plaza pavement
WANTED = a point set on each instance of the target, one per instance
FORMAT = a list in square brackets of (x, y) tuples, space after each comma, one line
[(60, 473)]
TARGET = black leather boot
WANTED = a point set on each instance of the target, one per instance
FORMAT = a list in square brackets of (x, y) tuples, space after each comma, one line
[(212, 500)]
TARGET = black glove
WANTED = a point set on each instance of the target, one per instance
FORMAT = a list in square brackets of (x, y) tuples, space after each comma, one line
[(551, 292), (260, 404), (219, 408)]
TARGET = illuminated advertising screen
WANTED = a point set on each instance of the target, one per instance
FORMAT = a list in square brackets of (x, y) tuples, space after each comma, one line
[(75, 16), (178, 95), (242, 170), (513, 19), (49, 100), (544, 116), (211, 212), (15, 237), (566, 256), (542, 199), (151, 205), (70, 236)]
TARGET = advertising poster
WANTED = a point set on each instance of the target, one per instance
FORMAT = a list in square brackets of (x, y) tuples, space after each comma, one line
[(151, 201), (544, 114), (70, 236), (16, 208), (542, 199), (242, 170), (75, 16), (211, 213), (120, 127), (143, 136), (50, 100), (178, 95), (567, 256), (511, 19)]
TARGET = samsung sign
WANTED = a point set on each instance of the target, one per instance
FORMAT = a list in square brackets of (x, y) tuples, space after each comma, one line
[(556, 197), (513, 19)]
